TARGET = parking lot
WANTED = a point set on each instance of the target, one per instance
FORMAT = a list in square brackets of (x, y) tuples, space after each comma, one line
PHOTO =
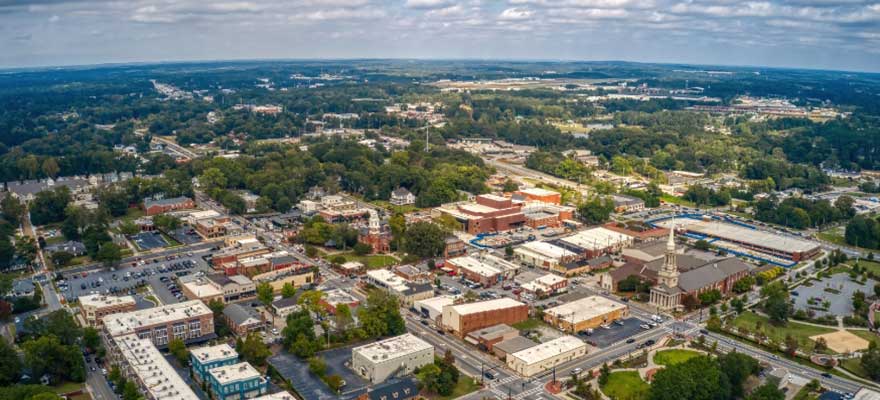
[(186, 235), (126, 278), (149, 240), (297, 371), (603, 338)]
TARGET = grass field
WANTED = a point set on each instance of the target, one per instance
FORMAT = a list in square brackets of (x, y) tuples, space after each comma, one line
[(868, 265), (867, 335), (833, 235), (464, 386), (677, 200), (674, 356), (67, 387), (529, 324), (626, 385), (801, 332), (370, 261), (854, 366)]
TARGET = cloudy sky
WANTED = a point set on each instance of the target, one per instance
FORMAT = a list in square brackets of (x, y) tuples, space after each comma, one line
[(835, 34)]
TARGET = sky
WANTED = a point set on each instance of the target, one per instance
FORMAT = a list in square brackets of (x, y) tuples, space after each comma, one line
[(825, 34)]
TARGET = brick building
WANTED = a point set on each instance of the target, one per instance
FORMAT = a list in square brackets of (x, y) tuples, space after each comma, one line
[(462, 319), (153, 207)]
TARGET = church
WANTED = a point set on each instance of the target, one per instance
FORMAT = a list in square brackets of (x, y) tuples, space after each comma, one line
[(676, 276)]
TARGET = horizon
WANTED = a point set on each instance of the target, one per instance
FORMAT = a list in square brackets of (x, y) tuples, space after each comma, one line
[(834, 35)]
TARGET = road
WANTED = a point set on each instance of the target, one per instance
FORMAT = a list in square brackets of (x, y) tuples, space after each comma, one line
[(530, 173)]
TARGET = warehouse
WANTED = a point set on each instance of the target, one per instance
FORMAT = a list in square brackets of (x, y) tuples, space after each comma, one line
[(597, 241), (433, 308), (397, 356), (586, 313), (545, 356), (765, 242), (543, 255), (465, 318)]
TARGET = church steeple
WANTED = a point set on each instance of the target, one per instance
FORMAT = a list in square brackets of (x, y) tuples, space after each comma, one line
[(668, 274)]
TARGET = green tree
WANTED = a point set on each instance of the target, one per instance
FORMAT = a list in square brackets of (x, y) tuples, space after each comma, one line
[(287, 290), (317, 366), (604, 374), (178, 349), (380, 316), (10, 364), (265, 293), (130, 391), (744, 284), (109, 254), (343, 316), (362, 249), (738, 367), (596, 210), (870, 361), (47, 355), (428, 376), (767, 391), (128, 228), (254, 350), (699, 378), (91, 338), (425, 240)]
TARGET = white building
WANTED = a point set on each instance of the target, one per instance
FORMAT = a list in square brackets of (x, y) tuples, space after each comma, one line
[(545, 356), (397, 356), (433, 307), (140, 362), (600, 240), (542, 255), (402, 197)]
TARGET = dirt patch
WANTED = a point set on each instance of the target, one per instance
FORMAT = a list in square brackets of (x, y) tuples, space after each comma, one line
[(843, 341)]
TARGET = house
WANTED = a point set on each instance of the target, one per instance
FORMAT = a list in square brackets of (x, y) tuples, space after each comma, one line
[(402, 197), (242, 319), (75, 248)]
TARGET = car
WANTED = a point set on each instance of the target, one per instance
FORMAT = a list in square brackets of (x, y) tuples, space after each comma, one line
[(644, 326), (618, 322), (489, 375), (274, 331), (440, 332), (650, 342), (104, 371), (424, 322), (826, 375), (703, 331), (577, 371), (630, 341)]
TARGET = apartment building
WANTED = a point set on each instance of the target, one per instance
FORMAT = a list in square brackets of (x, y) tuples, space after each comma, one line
[(95, 307), (191, 321)]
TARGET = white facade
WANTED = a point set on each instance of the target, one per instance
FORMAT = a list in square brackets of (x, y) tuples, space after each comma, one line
[(397, 356), (545, 356), (542, 254)]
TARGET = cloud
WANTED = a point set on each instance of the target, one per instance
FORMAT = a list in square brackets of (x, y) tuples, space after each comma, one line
[(427, 4), (516, 14)]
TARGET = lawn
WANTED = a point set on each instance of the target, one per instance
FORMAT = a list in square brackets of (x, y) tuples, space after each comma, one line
[(395, 209), (867, 335), (677, 200), (371, 261), (67, 387), (464, 386), (626, 385), (802, 332), (854, 366), (832, 235), (529, 324), (674, 356), (868, 265)]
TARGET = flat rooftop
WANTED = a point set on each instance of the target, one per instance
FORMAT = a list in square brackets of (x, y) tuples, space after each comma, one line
[(584, 309), (749, 236), (596, 238), (474, 265), (276, 396), (202, 287), (546, 249), (437, 303), (488, 305), (234, 373), (124, 323), (548, 350), (391, 348), (159, 377), (538, 192), (208, 354), (101, 300)]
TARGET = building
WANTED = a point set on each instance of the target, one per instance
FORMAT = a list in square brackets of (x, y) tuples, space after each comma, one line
[(512, 345), (543, 255), (672, 285), (94, 307), (139, 361), (236, 382), (191, 321), (217, 227), (487, 213), (160, 206), (283, 307), (627, 204), (392, 357), (250, 200), (218, 287), (402, 197), (242, 319), (297, 276), (375, 236), (406, 291), (432, 308), (541, 195), (454, 247), (733, 235), (545, 356), (595, 242), (487, 337), (545, 285), (485, 269), (462, 319), (204, 359), (333, 298), (586, 313)]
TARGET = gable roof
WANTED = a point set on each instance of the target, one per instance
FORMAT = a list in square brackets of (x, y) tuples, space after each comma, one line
[(240, 314)]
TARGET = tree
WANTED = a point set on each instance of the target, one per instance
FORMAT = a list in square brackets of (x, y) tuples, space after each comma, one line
[(130, 391), (265, 293), (109, 254), (510, 186), (334, 382), (744, 284), (381, 315), (178, 349), (425, 239), (791, 345), (254, 350), (287, 290), (604, 374), (344, 318), (702, 244), (870, 361), (596, 210), (428, 376), (317, 366), (299, 334), (61, 258), (738, 367), (699, 378), (47, 355), (777, 308), (128, 228), (738, 305), (10, 364), (710, 297), (12, 209), (26, 248), (91, 338), (767, 391)]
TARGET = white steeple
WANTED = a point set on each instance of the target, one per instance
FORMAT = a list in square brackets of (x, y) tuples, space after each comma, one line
[(668, 274)]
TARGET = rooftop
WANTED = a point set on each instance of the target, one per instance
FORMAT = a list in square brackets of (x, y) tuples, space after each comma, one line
[(584, 309), (234, 373), (476, 266), (389, 279), (515, 345), (596, 238), (208, 354), (276, 396), (538, 192), (483, 306), (124, 323), (493, 332), (741, 234), (159, 377), (548, 350), (546, 249), (391, 348), (100, 300)]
